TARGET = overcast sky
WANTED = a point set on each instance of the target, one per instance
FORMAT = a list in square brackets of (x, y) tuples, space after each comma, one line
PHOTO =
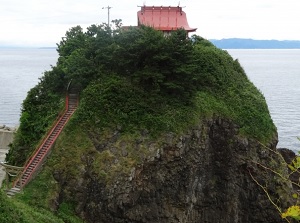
[(44, 22)]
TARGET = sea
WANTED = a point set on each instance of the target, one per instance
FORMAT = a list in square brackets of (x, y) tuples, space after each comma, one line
[(275, 72), (20, 70)]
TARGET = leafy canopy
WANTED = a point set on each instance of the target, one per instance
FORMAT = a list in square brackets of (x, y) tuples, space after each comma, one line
[(136, 78)]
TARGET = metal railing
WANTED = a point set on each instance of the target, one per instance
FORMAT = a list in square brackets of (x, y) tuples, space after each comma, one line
[(45, 138)]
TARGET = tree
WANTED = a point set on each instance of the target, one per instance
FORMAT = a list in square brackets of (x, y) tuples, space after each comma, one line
[(73, 40)]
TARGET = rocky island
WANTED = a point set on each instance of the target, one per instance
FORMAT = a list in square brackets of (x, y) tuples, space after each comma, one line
[(168, 129)]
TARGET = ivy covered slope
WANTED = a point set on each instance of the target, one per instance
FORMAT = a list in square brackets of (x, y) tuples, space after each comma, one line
[(136, 82)]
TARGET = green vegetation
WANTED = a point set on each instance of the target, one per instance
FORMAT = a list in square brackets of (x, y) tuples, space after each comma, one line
[(139, 79), (12, 211), (132, 80), (40, 108)]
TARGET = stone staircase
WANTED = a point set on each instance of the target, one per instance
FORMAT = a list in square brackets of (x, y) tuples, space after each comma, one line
[(13, 191)]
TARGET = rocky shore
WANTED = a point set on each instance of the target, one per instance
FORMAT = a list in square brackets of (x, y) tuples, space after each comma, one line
[(6, 137)]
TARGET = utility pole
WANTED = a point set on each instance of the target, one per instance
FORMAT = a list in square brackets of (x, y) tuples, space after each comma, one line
[(108, 8)]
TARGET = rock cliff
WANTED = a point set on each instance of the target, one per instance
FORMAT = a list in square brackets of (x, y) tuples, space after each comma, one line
[(207, 175)]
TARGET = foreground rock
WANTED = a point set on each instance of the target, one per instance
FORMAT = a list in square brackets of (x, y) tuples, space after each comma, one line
[(210, 174), (289, 156)]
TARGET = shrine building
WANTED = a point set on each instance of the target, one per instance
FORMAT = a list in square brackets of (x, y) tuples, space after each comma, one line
[(164, 18)]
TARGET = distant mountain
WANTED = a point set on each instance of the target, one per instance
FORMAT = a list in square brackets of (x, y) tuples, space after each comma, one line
[(236, 43)]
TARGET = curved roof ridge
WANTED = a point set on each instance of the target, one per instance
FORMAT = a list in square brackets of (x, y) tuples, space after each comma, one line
[(165, 18)]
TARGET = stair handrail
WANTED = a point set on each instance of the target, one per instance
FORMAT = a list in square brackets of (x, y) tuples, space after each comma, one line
[(42, 141), (45, 154), (69, 84), (46, 136), (33, 154), (60, 115)]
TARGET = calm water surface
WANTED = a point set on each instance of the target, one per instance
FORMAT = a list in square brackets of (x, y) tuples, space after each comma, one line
[(20, 70), (275, 72)]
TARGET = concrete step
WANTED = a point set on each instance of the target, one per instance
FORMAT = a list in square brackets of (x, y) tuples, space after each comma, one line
[(13, 191)]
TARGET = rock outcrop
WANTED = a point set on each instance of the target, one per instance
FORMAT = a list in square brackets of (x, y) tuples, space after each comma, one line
[(210, 174), (289, 156)]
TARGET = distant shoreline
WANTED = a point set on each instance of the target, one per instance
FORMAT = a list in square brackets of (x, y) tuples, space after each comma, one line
[(238, 43), (226, 43)]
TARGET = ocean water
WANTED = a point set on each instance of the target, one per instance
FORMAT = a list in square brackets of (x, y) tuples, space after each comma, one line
[(20, 70), (276, 73)]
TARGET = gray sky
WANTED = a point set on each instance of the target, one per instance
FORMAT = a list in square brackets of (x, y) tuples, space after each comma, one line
[(44, 22)]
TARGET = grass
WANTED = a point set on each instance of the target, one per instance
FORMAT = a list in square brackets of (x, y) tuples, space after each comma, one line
[(13, 210), (41, 195)]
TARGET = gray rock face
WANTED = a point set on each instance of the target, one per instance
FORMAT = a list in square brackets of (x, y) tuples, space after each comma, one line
[(201, 176), (289, 156)]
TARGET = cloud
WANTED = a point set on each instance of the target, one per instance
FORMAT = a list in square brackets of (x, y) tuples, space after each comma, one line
[(45, 21)]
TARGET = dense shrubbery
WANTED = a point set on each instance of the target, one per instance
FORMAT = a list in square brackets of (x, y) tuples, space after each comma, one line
[(139, 79), (146, 80), (134, 79), (39, 110)]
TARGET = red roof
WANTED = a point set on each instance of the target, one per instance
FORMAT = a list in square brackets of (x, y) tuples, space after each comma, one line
[(164, 18)]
